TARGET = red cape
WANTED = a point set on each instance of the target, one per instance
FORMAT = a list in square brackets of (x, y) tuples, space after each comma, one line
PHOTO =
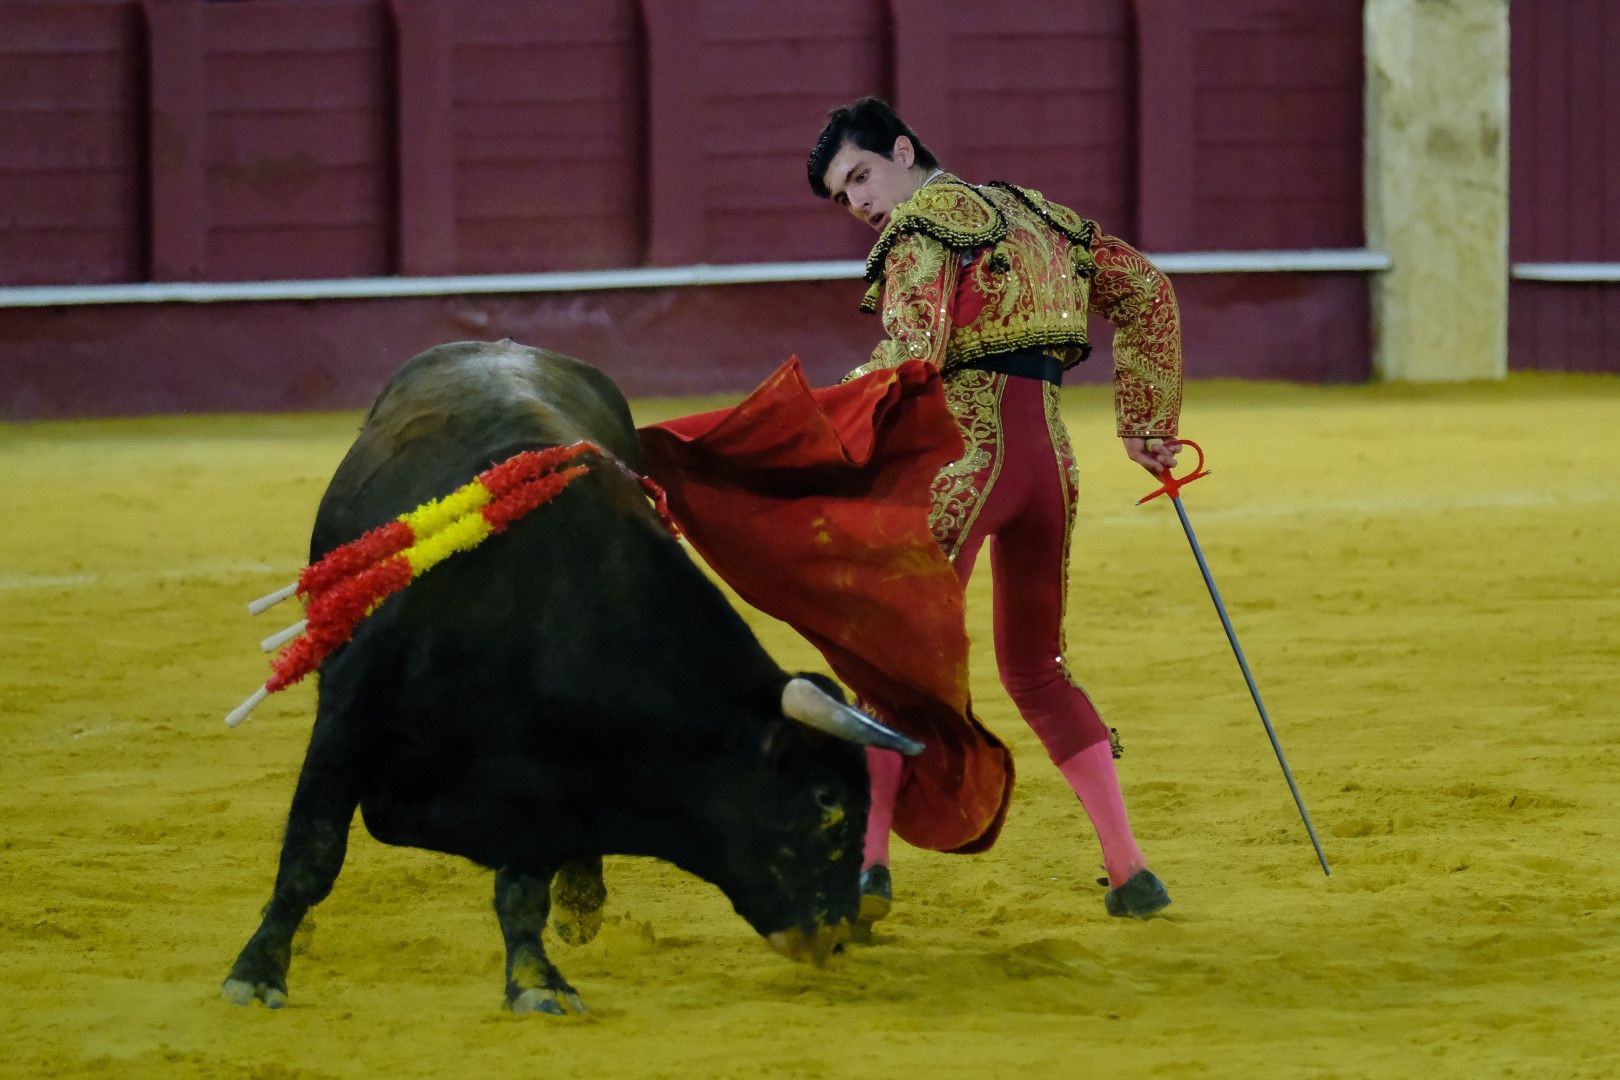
[(813, 505)]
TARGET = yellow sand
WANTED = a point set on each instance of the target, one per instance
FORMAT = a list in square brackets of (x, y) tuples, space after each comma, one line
[(1425, 580)]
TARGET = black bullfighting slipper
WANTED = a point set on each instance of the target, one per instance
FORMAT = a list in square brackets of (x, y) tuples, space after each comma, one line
[(877, 895), (1141, 896)]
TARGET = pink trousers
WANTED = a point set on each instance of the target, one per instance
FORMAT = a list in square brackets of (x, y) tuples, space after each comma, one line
[(1026, 501)]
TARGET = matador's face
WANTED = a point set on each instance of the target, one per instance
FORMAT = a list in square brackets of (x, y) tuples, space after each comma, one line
[(870, 185)]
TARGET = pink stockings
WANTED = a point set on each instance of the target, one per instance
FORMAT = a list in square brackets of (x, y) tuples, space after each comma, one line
[(1028, 508)]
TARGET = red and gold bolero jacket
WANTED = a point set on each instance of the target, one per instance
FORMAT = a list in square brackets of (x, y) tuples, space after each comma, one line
[(964, 272)]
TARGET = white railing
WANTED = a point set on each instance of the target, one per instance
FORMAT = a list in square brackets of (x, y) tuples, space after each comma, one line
[(658, 277), (1571, 271)]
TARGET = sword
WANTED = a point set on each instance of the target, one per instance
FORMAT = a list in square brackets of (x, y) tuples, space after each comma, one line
[(1171, 485)]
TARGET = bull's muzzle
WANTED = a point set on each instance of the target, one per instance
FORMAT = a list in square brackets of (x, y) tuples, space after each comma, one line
[(797, 944)]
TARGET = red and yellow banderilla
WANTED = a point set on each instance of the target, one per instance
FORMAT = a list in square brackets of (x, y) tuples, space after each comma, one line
[(350, 581)]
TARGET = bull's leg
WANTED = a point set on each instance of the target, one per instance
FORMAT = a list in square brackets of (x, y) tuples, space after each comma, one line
[(533, 983), (311, 856), (577, 896)]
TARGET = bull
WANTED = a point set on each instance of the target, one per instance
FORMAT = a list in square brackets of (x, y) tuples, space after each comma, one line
[(571, 688)]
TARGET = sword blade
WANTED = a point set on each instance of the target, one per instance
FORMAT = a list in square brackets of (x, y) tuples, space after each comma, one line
[(1254, 691)]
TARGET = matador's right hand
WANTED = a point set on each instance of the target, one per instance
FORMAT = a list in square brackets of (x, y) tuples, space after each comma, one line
[(1152, 453)]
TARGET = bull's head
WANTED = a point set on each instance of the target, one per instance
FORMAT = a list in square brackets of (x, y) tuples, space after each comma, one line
[(795, 867)]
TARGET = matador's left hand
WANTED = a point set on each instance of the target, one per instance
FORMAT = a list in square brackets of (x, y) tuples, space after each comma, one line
[(1153, 454)]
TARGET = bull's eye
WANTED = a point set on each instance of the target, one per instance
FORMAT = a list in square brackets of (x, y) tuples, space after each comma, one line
[(832, 811)]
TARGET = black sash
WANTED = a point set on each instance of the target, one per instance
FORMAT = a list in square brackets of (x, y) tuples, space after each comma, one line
[(1025, 363)]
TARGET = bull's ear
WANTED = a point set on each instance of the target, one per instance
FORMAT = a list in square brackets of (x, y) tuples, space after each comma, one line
[(804, 701)]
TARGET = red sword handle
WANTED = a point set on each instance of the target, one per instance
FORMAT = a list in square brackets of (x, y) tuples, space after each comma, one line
[(1170, 484)]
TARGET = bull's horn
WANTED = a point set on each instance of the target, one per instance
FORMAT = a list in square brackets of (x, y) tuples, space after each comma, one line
[(804, 701)]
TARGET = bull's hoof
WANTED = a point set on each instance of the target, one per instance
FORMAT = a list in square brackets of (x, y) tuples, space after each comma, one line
[(240, 992), (1141, 896), (550, 1002), (574, 927), (577, 898)]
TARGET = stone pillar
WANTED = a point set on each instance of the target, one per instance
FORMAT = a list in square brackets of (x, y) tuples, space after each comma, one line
[(1436, 186)]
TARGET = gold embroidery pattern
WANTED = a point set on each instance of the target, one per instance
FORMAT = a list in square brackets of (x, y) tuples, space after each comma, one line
[(919, 283), (952, 212), (1033, 297), (1069, 478), (974, 398), (1060, 217), (1134, 296)]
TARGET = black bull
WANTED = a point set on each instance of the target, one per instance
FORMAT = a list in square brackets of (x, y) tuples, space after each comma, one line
[(570, 688)]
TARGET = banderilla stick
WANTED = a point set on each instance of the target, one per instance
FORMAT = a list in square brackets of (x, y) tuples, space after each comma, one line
[(1171, 485)]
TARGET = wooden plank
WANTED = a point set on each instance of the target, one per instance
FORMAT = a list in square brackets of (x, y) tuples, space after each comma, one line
[(784, 69), (243, 254), (297, 199), (921, 83), (610, 128), (272, 82), (526, 23), (677, 194), (33, 29), (64, 253), (748, 22), (72, 180), (522, 190), (1279, 127), (305, 29), (316, 139), (511, 73), (98, 141), (63, 82), (425, 231), (565, 243), (1166, 140), (549, 138), (1611, 158), (179, 205), (58, 199), (1549, 148), (1589, 55)]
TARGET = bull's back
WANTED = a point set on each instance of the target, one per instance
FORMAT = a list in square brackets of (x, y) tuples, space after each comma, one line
[(578, 626), (454, 410)]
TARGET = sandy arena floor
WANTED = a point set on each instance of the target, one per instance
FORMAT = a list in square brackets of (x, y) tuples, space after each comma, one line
[(1425, 580)]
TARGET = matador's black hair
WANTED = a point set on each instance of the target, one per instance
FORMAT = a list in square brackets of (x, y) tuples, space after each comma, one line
[(871, 124)]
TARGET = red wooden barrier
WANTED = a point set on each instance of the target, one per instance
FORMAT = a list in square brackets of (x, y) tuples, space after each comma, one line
[(1564, 181), (548, 110), (72, 159), (425, 232), (1277, 110), (766, 74), (296, 144), (266, 139)]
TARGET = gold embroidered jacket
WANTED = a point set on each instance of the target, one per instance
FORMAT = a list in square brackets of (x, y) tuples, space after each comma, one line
[(963, 272)]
